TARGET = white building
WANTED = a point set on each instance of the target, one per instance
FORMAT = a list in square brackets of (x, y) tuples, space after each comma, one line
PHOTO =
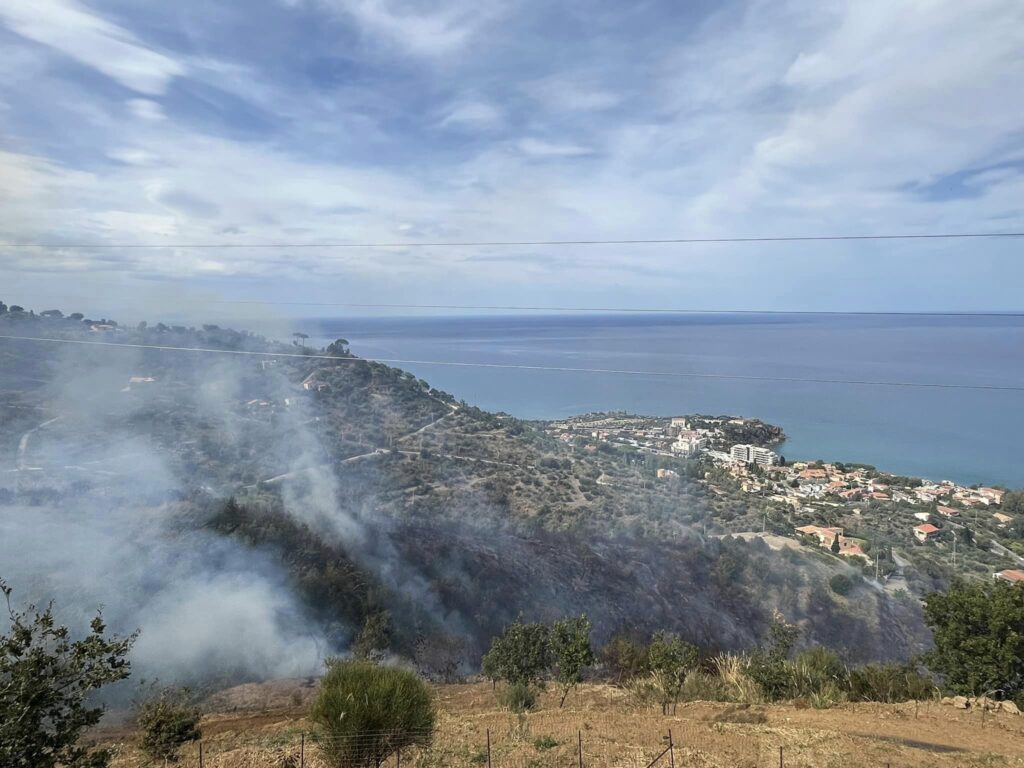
[(689, 443), (753, 454)]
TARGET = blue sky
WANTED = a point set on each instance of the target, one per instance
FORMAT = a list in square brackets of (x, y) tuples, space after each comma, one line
[(281, 121)]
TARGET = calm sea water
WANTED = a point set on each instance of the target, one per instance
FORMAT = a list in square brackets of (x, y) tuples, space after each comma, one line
[(964, 435)]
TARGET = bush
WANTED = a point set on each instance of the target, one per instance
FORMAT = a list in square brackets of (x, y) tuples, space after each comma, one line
[(625, 657), (518, 697), (168, 721), (365, 712), (734, 672), (841, 584), (816, 671), (889, 683)]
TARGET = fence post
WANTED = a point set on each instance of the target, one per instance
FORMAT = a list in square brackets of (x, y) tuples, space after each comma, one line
[(579, 738), (780, 757), (302, 750), (488, 748), (200, 754), (671, 750)]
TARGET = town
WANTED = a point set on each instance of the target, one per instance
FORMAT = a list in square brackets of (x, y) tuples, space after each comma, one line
[(809, 500)]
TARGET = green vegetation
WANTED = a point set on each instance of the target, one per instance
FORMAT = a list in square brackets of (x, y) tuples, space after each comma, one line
[(978, 630), (365, 713), (670, 659), (571, 652), (168, 720), (46, 679)]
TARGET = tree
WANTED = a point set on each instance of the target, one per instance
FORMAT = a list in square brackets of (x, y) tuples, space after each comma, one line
[(978, 631), (365, 712), (374, 638), (671, 659), (45, 680), (301, 337), (3, 308), (835, 545), (168, 721), (521, 654), (1013, 502), (571, 652), (768, 662)]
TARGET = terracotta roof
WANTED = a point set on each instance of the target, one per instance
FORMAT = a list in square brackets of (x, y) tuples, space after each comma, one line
[(926, 528)]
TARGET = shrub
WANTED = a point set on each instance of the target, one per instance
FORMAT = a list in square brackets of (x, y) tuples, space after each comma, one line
[(889, 683), (544, 743), (841, 584), (734, 672), (626, 657), (518, 697), (364, 712), (815, 670), (643, 691), (168, 721)]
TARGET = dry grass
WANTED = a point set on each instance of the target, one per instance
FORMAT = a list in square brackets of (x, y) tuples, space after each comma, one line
[(616, 733)]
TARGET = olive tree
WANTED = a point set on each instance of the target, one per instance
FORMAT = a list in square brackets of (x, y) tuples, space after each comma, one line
[(46, 678)]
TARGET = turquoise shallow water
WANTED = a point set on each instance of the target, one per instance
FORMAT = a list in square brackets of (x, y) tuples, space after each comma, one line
[(964, 435)]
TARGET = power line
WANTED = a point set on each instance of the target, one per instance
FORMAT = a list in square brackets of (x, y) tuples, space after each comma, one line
[(500, 243), (525, 367), (625, 310)]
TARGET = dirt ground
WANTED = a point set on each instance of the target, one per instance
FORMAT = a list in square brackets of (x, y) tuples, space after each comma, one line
[(263, 726)]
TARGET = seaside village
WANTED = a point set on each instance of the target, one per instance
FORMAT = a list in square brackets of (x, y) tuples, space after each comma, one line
[(805, 487)]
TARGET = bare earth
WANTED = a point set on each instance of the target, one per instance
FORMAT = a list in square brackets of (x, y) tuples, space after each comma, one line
[(262, 726)]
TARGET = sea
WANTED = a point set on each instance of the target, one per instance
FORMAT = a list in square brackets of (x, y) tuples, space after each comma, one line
[(786, 366)]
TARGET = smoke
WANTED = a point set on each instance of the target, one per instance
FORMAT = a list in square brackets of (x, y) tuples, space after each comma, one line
[(99, 521)]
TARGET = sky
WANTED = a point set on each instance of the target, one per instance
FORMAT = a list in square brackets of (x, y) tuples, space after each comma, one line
[(298, 122)]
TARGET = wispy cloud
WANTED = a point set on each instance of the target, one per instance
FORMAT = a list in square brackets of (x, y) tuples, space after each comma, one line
[(381, 120), (68, 27)]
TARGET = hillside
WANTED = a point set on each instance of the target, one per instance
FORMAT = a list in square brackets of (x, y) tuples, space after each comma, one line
[(193, 487)]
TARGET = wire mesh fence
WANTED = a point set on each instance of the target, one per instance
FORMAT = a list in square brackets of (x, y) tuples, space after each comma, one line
[(530, 741), (560, 740)]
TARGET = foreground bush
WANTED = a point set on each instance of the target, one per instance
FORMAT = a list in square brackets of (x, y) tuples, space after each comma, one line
[(365, 712)]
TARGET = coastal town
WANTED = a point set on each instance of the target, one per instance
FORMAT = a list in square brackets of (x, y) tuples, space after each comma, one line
[(815, 503)]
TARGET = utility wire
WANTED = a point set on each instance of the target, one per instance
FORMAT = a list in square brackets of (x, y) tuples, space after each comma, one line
[(627, 310), (524, 367), (482, 243)]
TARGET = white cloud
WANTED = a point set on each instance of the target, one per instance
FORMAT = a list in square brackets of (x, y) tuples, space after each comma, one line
[(439, 28), (540, 148), (66, 26), (479, 114), (146, 109), (570, 93)]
